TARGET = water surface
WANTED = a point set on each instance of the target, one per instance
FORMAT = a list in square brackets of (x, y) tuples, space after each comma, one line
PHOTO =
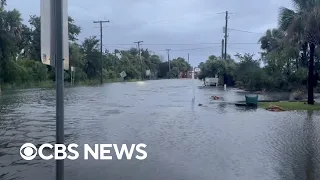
[(184, 141)]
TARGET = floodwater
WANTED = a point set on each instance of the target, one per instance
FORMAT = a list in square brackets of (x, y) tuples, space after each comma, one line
[(184, 141)]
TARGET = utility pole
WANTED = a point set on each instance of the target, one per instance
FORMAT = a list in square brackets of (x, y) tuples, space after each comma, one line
[(189, 64), (168, 51), (138, 42), (226, 36), (222, 47), (225, 49), (188, 57), (188, 61), (101, 56)]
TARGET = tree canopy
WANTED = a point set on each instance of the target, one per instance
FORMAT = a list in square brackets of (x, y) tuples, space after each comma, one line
[(20, 59), (290, 55)]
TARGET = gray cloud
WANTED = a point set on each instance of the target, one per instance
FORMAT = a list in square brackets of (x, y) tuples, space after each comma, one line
[(172, 22)]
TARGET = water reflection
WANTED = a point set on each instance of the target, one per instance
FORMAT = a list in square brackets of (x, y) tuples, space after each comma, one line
[(298, 156), (312, 157)]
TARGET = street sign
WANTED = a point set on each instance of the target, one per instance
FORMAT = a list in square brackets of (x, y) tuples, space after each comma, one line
[(123, 74), (197, 69), (148, 73), (46, 33)]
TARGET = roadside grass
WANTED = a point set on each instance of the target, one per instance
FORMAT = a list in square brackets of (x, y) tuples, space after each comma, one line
[(290, 106), (51, 84)]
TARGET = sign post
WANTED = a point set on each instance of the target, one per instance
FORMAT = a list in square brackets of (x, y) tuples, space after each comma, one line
[(72, 75), (55, 52), (193, 87), (148, 73), (123, 74), (195, 70)]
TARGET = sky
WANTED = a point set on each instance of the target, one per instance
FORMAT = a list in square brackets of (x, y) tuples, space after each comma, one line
[(184, 26)]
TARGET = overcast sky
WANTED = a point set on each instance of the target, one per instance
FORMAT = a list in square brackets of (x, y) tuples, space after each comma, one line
[(185, 26)]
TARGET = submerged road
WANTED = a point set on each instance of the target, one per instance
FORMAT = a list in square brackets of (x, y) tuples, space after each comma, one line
[(184, 141)]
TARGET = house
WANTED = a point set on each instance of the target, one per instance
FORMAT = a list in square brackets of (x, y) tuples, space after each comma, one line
[(189, 74)]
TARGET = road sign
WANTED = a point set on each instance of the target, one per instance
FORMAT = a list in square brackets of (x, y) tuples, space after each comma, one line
[(123, 74), (197, 69), (46, 33), (148, 73)]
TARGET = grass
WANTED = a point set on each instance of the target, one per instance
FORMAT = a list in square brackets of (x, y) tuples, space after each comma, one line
[(41, 84), (289, 106), (97, 81)]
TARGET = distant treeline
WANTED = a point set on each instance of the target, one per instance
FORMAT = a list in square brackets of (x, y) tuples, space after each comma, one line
[(290, 55), (20, 56)]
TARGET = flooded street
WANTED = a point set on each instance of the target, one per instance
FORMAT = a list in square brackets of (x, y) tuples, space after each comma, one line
[(184, 141)]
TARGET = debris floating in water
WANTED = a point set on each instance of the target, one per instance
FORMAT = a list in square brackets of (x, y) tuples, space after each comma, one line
[(275, 108), (216, 97), (141, 82)]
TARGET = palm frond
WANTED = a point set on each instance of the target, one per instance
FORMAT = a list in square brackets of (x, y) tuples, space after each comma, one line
[(3, 3), (286, 18), (298, 25), (301, 5)]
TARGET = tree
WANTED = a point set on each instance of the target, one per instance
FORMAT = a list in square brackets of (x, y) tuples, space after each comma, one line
[(3, 3), (74, 30), (10, 36), (302, 24), (35, 32), (35, 44), (90, 47), (20, 55)]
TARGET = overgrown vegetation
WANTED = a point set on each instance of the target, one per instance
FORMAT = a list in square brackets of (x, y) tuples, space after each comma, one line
[(290, 57), (20, 56)]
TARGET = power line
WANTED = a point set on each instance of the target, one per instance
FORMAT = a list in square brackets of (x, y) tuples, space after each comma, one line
[(163, 21), (244, 31), (183, 44), (102, 27), (118, 47), (194, 48), (160, 21), (189, 49), (232, 47)]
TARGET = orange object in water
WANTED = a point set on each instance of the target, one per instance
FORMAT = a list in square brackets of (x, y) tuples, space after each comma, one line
[(215, 97), (275, 108)]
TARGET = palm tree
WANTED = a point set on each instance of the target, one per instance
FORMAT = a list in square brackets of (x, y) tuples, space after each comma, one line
[(272, 40), (3, 3), (302, 25)]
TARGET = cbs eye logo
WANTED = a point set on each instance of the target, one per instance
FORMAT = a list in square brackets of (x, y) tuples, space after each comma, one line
[(28, 151)]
